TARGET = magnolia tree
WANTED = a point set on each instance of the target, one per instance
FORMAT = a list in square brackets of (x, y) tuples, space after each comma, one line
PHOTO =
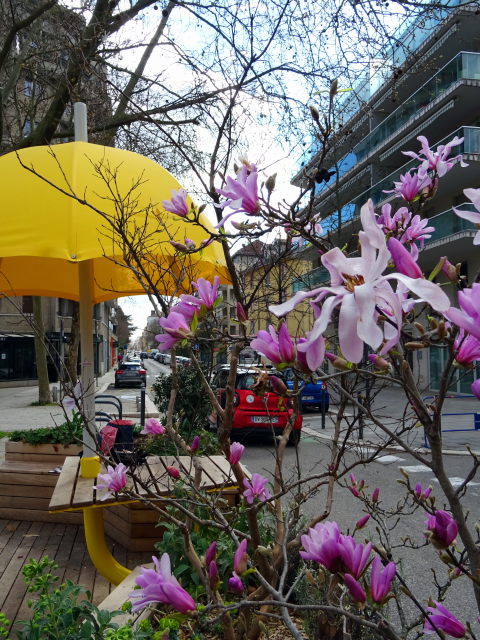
[(379, 303)]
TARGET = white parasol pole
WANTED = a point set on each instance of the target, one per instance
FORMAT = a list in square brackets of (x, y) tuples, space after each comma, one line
[(90, 464)]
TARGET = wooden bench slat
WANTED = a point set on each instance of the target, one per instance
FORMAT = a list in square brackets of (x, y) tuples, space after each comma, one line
[(63, 492)]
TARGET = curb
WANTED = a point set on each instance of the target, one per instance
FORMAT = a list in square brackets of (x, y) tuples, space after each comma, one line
[(393, 449)]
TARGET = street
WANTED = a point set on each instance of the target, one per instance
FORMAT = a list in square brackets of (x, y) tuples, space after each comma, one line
[(417, 566)]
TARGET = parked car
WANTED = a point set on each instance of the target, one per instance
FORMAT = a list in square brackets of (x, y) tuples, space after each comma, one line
[(167, 358), (182, 361), (255, 413), (144, 355), (153, 354), (312, 394), (130, 373)]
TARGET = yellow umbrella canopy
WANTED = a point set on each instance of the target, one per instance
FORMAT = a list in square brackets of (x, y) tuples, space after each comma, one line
[(78, 201)]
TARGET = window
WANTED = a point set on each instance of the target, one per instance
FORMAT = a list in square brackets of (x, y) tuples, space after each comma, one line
[(28, 88), (27, 304)]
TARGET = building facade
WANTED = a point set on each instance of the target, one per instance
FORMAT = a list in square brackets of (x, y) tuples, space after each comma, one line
[(427, 84)]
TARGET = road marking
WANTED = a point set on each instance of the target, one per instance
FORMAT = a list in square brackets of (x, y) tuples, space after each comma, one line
[(456, 482), (388, 459), (416, 468)]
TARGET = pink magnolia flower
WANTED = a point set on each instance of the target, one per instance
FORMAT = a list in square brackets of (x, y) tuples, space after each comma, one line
[(211, 553), (159, 585), (394, 225), (278, 386), (278, 348), (153, 427), (178, 203), (411, 186), (256, 489), (403, 260), (355, 588), (362, 522), (441, 529), (438, 160), (310, 355), (236, 452), (381, 579), (323, 545), (444, 620), (173, 472), (114, 480), (240, 558), (241, 193), (176, 329), (207, 292), (468, 316), (417, 230), (467, 348), (359, 288), (355, 556), (72, 401), (472, 216), (235, 583), (475, 387)]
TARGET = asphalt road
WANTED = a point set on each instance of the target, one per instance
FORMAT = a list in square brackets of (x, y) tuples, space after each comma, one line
[(417, 565)]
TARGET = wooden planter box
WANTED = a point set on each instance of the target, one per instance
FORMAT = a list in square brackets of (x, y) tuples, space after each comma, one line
[(134, 525), (51, 453), (26, 481)]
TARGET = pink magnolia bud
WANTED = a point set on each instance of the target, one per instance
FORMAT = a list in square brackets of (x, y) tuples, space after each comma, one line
[(476, 388), (375, 494), (362, 522), (178, 246), (241, 313), (235, 584), (210, 553), (339, 363), (355, 491), (449, 270), (378, 362), (173, 472), (195, 444), (278, 386), (353, 479), (213, 575), (236, 452), (402, 258), (240, 558)]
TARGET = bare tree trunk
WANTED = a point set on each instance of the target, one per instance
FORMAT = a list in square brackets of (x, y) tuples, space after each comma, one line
[(40, 352), (72, 357)]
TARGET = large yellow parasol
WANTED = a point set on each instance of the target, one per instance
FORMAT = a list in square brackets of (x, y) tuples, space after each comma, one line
[(74, 216)]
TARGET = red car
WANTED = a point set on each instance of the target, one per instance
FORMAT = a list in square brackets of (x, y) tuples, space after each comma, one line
[(264, 412)]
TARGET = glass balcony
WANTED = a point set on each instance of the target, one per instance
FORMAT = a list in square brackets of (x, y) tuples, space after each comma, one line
[(407, 38), (463, 66), (470, 145), (448, 223), (310, 280)]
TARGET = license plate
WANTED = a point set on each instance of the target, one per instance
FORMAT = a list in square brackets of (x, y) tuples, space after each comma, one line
[(265, 419), (308, 398)]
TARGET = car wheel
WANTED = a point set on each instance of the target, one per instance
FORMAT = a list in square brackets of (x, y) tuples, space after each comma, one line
[(294, 437)]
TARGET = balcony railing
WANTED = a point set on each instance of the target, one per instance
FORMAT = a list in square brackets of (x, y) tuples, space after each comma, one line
[(463, 66), (470, 146), (448, 223)]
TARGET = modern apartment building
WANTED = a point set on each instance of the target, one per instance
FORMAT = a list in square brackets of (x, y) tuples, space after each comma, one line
[(428, 84)]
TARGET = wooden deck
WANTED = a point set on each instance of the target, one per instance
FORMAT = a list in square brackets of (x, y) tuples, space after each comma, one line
[(64, 543)]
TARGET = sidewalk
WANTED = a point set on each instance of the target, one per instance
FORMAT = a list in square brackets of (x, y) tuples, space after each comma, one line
[(16, 411), (390, 407)]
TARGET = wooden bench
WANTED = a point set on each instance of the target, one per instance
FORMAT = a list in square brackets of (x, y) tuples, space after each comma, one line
[(118, 596), (73, 493)]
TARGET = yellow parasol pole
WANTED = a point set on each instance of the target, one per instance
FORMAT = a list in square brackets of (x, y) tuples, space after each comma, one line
[(90, 463)]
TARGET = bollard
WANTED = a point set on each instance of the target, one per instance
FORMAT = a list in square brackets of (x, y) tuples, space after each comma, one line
[(323, 414), (476, 421), (142, 405)]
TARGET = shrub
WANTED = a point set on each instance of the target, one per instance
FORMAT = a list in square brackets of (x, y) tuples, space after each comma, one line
[(70, 432)]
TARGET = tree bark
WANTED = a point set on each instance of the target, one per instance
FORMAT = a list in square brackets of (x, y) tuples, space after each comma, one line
[(41, 352)]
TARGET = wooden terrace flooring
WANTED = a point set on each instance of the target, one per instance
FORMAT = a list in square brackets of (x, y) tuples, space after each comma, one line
[(65, 543)]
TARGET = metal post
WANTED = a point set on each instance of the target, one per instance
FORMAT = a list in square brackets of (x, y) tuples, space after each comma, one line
[(142, 405), (360, 418), (323, 414)]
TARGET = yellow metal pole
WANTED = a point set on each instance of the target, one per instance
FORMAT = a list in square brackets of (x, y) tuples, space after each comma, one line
[(99, 553)]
